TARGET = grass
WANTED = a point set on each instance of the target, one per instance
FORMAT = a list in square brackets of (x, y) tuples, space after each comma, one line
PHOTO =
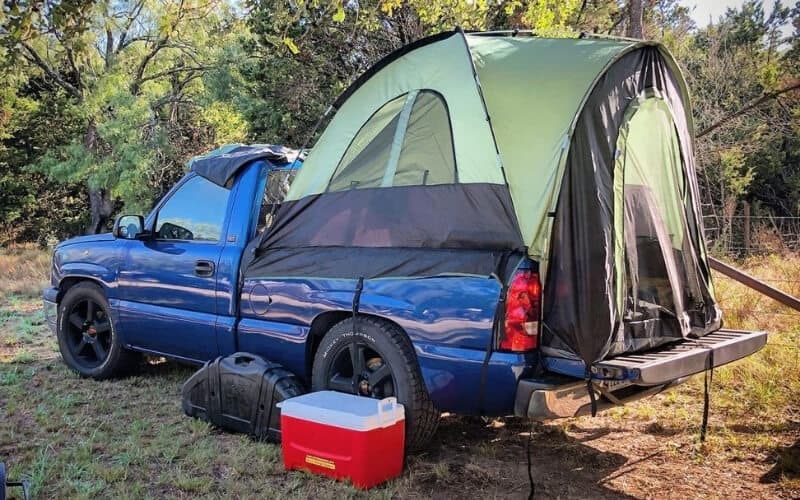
[(755, 411), (75, 438), (23, 272)]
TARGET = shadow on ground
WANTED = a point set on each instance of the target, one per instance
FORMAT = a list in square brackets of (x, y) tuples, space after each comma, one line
[(470, 453), (787, 464)]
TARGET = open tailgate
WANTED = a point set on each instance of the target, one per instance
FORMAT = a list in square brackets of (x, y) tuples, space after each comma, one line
[(683, 358)]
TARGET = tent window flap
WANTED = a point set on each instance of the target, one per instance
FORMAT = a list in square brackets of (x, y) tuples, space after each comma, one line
[(407, 142)]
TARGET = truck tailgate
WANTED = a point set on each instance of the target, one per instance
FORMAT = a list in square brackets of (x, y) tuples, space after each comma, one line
[(683, 358)]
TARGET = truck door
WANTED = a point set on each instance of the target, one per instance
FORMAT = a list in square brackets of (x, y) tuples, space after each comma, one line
[(168, 283)]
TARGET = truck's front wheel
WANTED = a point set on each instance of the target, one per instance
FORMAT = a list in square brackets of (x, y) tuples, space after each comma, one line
[(377, 360), (86, 335)]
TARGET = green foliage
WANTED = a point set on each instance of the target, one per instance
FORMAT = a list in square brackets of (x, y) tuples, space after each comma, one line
[(734, 172), (729, 65)]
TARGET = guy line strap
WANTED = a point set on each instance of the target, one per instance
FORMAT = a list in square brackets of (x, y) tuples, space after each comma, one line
[(590, 390), (708, 378), (353, 345)]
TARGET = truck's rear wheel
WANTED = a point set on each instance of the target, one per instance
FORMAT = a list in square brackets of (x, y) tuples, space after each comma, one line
[(377, 361), (86, 335)]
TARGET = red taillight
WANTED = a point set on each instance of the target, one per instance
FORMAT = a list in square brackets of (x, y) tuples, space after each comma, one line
[(522, 312)]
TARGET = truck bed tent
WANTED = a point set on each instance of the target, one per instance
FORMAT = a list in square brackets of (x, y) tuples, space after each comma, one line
[(461, 153)]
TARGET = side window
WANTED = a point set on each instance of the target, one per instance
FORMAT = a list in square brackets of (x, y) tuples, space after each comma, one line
[(278, 183), (407, 142), (196, 211)]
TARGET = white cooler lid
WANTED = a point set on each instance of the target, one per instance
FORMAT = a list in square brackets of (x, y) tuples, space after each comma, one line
[(347, 411)]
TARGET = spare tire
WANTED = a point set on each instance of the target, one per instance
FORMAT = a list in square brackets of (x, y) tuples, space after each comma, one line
[(377, 361)]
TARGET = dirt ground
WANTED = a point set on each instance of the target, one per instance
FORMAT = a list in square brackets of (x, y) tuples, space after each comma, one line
[(128, 438)]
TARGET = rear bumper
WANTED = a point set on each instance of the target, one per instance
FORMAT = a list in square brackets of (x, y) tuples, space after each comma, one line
[(50, 307), (630, 377), (548, 400)]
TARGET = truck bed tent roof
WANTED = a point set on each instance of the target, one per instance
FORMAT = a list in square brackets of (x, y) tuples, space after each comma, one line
[(462, 152)]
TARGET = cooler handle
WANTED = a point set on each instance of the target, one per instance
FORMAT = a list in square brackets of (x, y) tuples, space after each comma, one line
[(386, 407), (241, 359)]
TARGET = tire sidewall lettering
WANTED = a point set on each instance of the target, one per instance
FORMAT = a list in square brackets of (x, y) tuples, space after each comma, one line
[(347, 337)]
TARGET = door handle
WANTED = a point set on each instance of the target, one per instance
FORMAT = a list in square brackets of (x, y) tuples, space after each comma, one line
[(204, 268)]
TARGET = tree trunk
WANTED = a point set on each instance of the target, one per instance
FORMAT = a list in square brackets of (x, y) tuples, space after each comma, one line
[(99, 199), (101, 208), (635, 19)]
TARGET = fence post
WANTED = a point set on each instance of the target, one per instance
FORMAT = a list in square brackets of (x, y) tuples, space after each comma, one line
[(747, 228)]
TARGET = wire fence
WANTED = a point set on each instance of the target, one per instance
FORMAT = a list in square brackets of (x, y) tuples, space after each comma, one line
[(743, 235), (739, 235)]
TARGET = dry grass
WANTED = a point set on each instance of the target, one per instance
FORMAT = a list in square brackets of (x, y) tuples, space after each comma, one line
[(24, 271), (755, 405), (128, 438)]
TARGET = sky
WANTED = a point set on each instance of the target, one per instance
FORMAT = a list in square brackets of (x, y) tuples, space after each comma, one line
[(705, 10)]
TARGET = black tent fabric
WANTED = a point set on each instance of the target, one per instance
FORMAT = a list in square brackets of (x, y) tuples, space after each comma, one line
[(413, 231), (581, 316), (222, 165)]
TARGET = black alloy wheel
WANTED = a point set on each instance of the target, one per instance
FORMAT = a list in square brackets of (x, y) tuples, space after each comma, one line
[(87, 337), (88, 333), (360, 370), (376, 359)]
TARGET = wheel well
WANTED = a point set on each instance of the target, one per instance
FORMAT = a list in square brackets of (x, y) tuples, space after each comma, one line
[(71, 281), (320, 326)]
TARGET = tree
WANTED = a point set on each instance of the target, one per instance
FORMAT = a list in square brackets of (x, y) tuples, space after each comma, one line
[(635, 12), (746, 103), (129, 69), (33, 207)]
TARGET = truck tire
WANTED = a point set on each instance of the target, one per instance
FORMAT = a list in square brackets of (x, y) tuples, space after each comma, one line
[(386, 366), (87, 337)]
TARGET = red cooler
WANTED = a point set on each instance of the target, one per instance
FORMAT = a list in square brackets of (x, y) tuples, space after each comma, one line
[(343, 436)]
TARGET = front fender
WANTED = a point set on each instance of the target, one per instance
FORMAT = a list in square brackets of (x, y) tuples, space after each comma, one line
[(98, 261)]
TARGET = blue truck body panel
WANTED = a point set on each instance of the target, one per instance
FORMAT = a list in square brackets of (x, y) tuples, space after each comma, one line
[(162, 306)]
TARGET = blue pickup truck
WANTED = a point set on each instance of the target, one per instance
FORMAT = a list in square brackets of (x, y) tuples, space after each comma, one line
[(420, 251), (169, 284)]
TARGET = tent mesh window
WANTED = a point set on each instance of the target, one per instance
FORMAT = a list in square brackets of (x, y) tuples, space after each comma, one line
[(407, 142), (278, 182)]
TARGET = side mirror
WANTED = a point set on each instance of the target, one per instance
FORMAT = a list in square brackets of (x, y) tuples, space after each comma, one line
[(129, 227)]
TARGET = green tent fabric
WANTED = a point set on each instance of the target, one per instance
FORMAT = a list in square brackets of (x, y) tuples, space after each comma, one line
[(531, 128), (443, 67), (534, 89)]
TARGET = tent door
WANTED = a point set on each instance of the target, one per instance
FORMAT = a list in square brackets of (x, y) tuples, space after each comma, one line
[(655, 262)]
